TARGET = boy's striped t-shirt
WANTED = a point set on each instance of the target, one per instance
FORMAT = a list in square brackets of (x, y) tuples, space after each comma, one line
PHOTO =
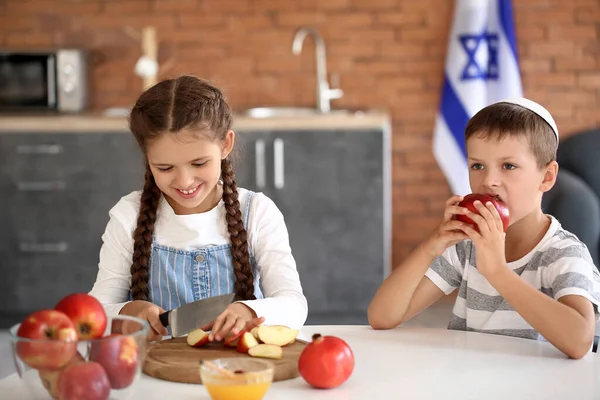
[(559, 265)]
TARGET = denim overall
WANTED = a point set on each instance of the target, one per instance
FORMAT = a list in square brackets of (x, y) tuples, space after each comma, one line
[(177, 277)]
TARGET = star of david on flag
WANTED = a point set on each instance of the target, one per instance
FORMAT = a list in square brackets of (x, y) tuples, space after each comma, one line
[(470, 44), (482, 67)]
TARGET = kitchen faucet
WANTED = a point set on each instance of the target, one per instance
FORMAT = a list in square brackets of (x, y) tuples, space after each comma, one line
[(324, 92)]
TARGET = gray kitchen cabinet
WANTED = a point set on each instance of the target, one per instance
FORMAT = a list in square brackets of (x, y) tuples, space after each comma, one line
[(333, 188), (56, 192), (251, 152)]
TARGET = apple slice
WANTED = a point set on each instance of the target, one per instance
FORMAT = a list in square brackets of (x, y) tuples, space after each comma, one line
[(197, 338), (277, 334), (254, 333), (246, 342), (266, 351), (232, 339)]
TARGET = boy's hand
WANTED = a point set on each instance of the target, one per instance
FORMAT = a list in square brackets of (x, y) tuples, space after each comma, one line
[(450, 231), (234, 319), (489, 241)]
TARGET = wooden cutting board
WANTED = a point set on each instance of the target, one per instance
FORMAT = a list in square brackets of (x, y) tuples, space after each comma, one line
[(174, 360)]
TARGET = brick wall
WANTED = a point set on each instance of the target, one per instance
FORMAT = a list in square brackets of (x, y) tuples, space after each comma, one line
[(388, 53)]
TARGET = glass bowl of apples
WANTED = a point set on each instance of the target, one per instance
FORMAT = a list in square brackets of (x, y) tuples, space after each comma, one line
[(237, 378), (65, 354)]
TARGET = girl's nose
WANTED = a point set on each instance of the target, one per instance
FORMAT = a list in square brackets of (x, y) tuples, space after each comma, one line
[(184, 180)]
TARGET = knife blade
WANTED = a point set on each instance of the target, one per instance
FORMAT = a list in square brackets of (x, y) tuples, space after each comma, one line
[(190, 316)]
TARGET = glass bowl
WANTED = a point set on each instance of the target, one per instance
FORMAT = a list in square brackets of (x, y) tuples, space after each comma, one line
[(98, 369), (237, 378)]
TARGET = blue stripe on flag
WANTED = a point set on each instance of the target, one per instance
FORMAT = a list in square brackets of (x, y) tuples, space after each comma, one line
[(506, 19), (454, 114)]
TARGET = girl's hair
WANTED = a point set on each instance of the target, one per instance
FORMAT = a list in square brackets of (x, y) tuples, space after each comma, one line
[(502, 119), (168, 107)]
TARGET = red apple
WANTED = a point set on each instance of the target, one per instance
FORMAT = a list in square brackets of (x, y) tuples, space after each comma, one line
[(197, 338), (468, 201), (87, 314), (83, 381), (53, 340), (118, 355), (49, 378), (326, 362)]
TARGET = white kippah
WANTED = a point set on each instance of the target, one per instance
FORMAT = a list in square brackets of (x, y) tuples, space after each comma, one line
[(536, 108)]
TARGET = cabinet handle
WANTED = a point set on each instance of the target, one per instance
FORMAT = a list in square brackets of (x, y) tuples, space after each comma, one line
[(51, 149), (59, 247), (43, 186), (259, 148), (278, 161), (51, 81)]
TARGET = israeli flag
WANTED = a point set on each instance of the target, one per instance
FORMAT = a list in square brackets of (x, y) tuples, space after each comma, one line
[(482, 67)]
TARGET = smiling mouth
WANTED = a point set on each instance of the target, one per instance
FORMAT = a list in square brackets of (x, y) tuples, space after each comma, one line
[(190, 191)]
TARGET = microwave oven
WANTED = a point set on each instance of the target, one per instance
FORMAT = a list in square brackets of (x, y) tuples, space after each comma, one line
[(52, 80)]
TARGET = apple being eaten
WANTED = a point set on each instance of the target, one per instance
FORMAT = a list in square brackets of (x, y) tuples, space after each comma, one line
[(197, 338), (87, 314), (276, 334), (53, 340), (118, 355), (83, 381), (500, 206), (326, 362), (49, 378)]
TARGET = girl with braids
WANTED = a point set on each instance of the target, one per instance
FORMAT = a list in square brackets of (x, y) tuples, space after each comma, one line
[(191, 233)]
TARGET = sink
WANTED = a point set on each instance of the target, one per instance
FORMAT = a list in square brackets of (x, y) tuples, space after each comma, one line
[(274, 112)]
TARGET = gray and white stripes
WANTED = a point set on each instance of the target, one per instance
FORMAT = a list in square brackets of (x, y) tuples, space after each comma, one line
[(559, 265)]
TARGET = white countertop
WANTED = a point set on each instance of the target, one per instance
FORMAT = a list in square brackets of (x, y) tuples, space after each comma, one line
[(419, 363), (99, 122)]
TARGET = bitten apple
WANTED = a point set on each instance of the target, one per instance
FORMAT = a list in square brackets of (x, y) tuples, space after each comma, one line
[(83, 381), (118, 355), (53, 340), (197, 338), (276, 334), (266, 351), (326, 362), (49, 378), (87, 314), (468, 201), (246, 342)]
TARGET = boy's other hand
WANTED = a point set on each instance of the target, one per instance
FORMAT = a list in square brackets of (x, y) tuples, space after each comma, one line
[(450, 231), (489, 241)]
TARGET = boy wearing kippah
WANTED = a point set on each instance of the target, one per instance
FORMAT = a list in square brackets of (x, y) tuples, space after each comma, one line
[(535, 281)]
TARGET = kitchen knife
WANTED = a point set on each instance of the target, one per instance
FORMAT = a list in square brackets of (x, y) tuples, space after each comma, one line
[(190, 316)]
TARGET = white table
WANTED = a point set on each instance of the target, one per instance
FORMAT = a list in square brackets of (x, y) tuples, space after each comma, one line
[(419, 363)]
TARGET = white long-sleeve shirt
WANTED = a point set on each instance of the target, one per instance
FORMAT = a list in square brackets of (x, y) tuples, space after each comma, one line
[(284, 302)]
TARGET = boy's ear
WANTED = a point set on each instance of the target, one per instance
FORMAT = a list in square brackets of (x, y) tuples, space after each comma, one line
[(228, 144), (550, 173)]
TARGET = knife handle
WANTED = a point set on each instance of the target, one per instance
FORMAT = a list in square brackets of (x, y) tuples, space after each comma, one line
[(164, 318)]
